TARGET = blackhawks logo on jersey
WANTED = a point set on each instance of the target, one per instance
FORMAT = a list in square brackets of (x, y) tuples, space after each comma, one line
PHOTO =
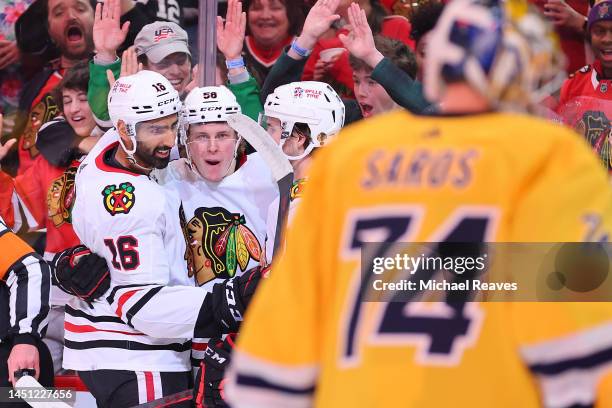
[(60, 196), (297, 189), (595, 126), (119, 200), (41, 113), (218, 242)]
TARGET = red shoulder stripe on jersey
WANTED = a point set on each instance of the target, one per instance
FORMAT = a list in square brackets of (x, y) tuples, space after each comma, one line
[(105, 167)]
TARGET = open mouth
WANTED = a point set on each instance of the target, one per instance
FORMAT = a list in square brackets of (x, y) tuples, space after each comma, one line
[(74, 33), (366, 110), (176, 82), (162, 152), (212, 162), (607, 53)]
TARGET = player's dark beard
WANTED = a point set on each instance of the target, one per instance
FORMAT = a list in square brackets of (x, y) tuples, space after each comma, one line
[(146, 156)]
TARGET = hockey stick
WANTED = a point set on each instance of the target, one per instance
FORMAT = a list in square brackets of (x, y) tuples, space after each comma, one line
[(272, 153), (29, 383), (169, 400)]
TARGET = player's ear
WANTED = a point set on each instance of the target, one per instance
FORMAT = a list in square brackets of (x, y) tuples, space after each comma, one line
[(302, 140), (124, 135)]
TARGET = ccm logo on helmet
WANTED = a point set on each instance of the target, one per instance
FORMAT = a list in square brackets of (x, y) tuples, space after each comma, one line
[(167, 101)]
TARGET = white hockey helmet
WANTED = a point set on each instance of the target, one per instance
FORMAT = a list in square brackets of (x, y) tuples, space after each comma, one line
[(137, 98), (208, 104), (204, 105), (313, 103)]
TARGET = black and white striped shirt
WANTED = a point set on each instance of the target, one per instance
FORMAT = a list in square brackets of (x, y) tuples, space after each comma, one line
[(25, 284)]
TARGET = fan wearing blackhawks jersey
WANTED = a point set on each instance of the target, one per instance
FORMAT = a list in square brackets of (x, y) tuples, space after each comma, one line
[(473, 174), (133, 345), (585, 99)]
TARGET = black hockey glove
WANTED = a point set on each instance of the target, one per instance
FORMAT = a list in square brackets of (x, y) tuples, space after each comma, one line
[(209, 383), (79, 272), (231, 298)]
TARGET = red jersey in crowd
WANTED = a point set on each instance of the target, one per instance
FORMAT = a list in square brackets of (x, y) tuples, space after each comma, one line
[(46, 193), (395, 27), (259, 60), (585, 104), (42, 110)]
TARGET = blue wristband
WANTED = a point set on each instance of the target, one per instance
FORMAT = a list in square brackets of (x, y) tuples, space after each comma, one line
[(302, 52), (237, 63)]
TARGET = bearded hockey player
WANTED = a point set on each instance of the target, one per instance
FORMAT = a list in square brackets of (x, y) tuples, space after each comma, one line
[(472, 175), (133, 345)]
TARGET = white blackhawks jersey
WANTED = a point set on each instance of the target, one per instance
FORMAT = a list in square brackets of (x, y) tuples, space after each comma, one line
[(224, 224), (133, 223)]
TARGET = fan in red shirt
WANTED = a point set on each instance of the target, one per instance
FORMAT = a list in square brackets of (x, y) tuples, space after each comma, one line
[(46, 189), (271, 26), (585, 102), (337, 71)]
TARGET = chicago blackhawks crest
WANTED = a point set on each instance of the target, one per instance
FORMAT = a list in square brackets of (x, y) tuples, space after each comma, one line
[(119, 200), (595, 126), (60, 196), (218, 243)]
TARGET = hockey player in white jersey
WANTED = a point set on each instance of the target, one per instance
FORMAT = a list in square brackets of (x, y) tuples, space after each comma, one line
[(133, 346), (225, 194), (302, 116), (226, 198)]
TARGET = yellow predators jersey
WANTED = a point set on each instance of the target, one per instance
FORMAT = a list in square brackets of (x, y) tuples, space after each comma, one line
[(309, 338)]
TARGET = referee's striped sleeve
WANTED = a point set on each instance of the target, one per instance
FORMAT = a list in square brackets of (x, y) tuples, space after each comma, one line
[(28, 278)]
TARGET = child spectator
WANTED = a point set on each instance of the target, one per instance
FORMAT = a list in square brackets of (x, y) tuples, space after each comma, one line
[(46, 189)]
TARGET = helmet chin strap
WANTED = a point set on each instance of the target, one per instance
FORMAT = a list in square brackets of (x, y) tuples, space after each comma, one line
[(305, 153), (130, 154)]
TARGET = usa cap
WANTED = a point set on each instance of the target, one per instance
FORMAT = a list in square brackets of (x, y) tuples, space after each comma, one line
[(160, 39)]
